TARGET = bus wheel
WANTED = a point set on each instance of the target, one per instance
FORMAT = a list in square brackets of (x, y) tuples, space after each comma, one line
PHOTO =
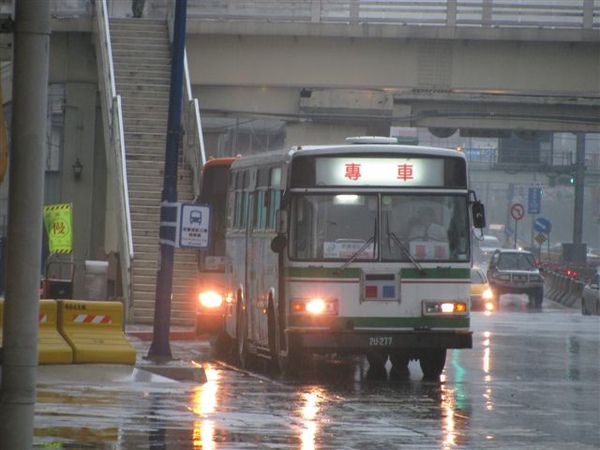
[(377, 358), (274, 365), (400, 360), (221, 345), (242, 342), (432, 361), (292, 363)]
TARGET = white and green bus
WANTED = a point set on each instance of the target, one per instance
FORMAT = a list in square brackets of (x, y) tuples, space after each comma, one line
[(361, 248)]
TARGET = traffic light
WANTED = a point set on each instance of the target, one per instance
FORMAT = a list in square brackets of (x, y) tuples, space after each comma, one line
[(562, 180)]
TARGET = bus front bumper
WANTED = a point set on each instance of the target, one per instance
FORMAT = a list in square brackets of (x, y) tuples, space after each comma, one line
[(328, 341)]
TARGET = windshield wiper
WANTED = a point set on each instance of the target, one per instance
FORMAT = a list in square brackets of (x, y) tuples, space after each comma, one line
[(357, 252), (406, 251), (362, 248), (400, 244)]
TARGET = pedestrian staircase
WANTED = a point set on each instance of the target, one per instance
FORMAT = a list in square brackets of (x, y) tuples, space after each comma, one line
[(142, 67)]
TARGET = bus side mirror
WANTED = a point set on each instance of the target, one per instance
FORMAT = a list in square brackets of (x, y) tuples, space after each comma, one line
[(478, 212), (278, 243), (282, 219)]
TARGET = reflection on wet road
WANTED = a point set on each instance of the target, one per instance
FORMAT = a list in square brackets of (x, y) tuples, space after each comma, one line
[(531, 381)]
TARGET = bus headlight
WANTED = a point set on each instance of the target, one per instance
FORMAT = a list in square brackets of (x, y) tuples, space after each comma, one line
[(210, 299), (315, 306), (442, 308)]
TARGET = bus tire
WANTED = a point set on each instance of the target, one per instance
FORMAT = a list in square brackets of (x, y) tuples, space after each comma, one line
[(377, 358), (274, 347), (287, 365), (221, 345), (293, 361), (243, 355), (432, 361), (399, 360)]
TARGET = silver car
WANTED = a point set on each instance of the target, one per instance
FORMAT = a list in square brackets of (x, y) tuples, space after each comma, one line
[(514, 271)]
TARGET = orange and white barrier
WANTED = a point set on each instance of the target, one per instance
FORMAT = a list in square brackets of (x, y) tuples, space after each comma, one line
[(94, 330), (52, 348)]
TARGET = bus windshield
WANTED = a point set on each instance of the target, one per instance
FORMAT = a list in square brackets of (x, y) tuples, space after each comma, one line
[(380, 227)]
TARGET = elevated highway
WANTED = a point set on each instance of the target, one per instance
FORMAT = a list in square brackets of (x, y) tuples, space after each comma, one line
[(445, 65)]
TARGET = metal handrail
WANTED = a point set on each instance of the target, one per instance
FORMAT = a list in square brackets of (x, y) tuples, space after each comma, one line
[(483, 13), (541, 14), (194, 141), (115, 144)]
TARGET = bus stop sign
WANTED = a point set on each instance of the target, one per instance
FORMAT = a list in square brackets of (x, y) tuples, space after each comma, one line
[(193, 226)]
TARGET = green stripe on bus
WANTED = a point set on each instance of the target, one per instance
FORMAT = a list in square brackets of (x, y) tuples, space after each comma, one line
[(437, 273), (322, 272)]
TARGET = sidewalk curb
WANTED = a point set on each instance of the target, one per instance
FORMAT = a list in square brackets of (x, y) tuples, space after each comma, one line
[(179, 335)]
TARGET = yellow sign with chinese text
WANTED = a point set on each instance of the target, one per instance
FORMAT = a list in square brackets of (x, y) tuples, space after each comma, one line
[(58, 220)]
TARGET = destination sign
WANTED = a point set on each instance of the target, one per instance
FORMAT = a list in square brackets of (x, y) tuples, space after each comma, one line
[(397, 172)]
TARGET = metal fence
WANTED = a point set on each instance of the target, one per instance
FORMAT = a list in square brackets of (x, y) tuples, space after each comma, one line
[(539, 14), (551, 14)]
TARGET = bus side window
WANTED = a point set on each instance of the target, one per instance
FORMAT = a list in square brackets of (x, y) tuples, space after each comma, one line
[(274, 204), (273, 197), (260, 222)]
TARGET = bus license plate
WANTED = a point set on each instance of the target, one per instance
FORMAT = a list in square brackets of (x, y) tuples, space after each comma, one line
[(380, 341)]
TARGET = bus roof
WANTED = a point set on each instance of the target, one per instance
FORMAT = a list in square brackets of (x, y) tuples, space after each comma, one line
[(227, 161), (279, 156)]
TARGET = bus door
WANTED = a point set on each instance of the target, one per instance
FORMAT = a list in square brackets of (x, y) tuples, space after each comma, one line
[(251, 264)]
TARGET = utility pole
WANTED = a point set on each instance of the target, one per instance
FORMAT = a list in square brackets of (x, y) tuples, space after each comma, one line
[(160, 348), (578, 250), (24, 239)]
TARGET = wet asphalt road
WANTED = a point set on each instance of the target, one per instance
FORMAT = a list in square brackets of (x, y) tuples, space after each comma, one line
[(532, 381)]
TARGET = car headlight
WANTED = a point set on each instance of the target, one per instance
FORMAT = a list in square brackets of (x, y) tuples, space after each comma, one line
[(487, 294), (315, 306), (210, 299), (434, 308), (503, 277)]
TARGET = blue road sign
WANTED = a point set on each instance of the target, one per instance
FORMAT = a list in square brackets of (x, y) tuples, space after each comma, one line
[(542, 225), (534, 200)]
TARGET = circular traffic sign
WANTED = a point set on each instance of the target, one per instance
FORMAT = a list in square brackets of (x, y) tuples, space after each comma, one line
[(517, 211), (542, 225)]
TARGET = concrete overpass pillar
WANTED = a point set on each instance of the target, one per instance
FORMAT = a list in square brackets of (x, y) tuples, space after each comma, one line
[(304, 133)]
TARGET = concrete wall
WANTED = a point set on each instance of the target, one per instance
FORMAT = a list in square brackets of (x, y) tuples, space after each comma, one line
[(73, 64)]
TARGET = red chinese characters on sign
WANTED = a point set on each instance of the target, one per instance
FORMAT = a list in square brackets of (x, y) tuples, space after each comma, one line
[(352, 171), (405, 172)]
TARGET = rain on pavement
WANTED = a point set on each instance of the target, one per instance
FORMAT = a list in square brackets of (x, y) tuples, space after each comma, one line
[(531, 381)]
